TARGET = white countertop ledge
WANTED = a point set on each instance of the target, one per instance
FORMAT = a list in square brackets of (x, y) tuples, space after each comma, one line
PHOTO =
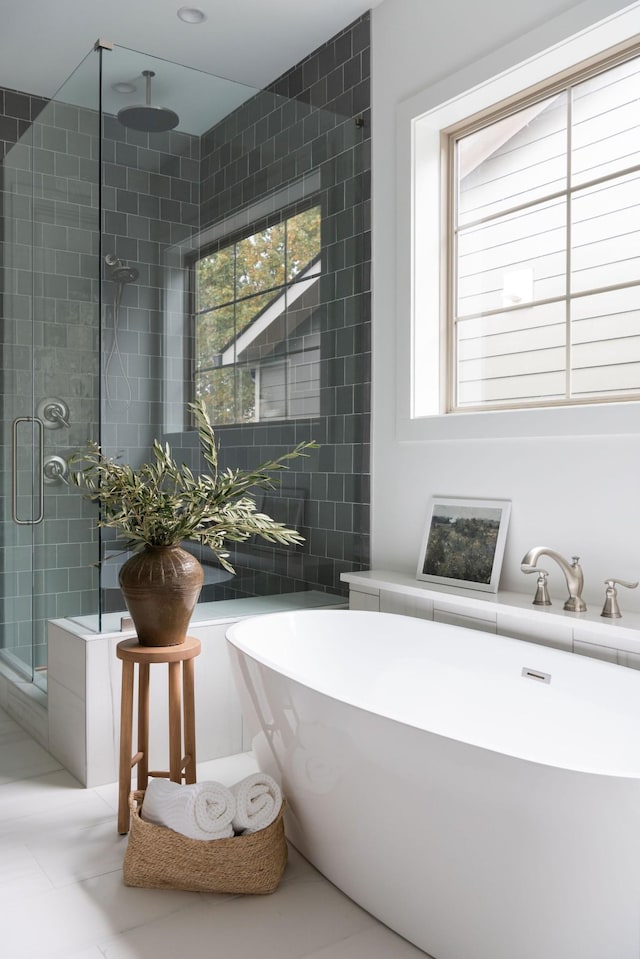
[(588, 627)]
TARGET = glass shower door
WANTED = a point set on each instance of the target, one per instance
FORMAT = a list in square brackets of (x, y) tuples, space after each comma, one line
[(20, 441), (50, 395)]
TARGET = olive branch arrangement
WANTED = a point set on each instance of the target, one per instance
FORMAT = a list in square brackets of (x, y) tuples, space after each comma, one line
[(162, 503)]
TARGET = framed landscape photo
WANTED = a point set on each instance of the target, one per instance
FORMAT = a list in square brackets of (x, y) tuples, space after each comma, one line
[(463, 542)]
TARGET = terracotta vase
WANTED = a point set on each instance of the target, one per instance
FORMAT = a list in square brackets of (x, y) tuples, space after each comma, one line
[(161, 586)]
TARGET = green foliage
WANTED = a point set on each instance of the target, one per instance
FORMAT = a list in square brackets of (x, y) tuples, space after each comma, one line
[(162, 503), (262, 262), (233, 285)]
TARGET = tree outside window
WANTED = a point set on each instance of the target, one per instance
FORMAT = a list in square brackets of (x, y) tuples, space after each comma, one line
[(256, 322)]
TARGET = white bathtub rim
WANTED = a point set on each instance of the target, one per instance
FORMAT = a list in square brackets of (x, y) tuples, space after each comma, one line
[(238, 635)]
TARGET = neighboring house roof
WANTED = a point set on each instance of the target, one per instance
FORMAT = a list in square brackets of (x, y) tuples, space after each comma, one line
[(274, 311)]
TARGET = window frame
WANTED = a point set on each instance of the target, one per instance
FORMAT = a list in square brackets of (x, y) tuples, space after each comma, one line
[(277, 216), (420, 119), (562, 83)]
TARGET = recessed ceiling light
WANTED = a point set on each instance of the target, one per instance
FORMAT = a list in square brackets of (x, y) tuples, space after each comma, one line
[(123, 87), (191, 15)]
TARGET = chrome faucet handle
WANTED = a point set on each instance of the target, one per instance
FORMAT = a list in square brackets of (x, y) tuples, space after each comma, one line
[(611, 610), (53, 412), (542, 593)]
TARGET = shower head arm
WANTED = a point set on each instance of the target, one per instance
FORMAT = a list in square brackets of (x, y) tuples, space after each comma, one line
[(148, 74)]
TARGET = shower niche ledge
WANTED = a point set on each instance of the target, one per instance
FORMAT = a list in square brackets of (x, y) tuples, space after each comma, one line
[(505, 613)]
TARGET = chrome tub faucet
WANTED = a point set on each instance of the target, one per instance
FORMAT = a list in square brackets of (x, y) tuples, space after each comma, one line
[(572, 574)]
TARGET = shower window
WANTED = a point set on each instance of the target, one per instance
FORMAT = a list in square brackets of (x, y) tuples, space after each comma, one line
[(256, 315)]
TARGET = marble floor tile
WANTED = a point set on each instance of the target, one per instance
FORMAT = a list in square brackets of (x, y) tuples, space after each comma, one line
[(20, 873), (60, 820), (76, 916), (92, 952), (299, 870), (62, 894), (75, 852), (24, 797), (21, 756), (375, 943), (290, 924)]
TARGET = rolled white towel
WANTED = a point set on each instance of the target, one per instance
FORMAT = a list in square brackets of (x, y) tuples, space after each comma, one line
[(198, 810), (258, 800)]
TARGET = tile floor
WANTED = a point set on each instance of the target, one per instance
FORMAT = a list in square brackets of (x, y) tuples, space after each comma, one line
[(62, 895)]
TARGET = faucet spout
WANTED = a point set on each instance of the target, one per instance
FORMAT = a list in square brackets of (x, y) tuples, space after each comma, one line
[(572, 574)]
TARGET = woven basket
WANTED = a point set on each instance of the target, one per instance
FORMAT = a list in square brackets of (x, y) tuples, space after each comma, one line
[(159, 858)]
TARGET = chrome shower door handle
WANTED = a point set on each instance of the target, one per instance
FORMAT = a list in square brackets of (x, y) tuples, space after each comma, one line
[(14, 472)]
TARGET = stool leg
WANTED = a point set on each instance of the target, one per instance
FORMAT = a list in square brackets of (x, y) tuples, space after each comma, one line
[(126, 731), (189, 721), (175, 724), (143, 725)]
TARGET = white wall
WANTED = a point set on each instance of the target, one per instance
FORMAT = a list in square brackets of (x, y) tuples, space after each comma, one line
[(579, 495)]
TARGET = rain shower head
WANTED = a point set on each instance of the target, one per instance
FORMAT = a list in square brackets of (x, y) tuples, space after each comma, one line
[(146, 117)]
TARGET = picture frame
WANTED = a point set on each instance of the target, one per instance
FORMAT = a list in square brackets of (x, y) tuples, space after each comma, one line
[(463, 542)]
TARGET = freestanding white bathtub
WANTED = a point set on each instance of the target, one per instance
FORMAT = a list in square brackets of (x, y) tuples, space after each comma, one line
[(480, 812)]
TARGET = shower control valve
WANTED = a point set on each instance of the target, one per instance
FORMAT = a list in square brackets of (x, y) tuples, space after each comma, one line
[(53, 413), (55, 469)]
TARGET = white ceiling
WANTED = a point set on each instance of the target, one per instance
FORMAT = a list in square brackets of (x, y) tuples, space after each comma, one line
[(248, 41)]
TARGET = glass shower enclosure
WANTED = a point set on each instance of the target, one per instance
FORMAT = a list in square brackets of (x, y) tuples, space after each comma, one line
[(133, 174), (81, 342), (50, 359)]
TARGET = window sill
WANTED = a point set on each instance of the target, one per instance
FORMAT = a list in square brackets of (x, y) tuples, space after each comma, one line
[(592, 420)]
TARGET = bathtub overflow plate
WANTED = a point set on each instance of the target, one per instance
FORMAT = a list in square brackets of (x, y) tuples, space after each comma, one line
[(536, 674)]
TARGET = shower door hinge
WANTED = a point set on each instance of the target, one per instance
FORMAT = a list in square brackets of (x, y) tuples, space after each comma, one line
[(103, 45)]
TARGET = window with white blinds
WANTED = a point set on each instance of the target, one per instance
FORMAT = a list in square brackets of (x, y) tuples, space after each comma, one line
[(544, 255)]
